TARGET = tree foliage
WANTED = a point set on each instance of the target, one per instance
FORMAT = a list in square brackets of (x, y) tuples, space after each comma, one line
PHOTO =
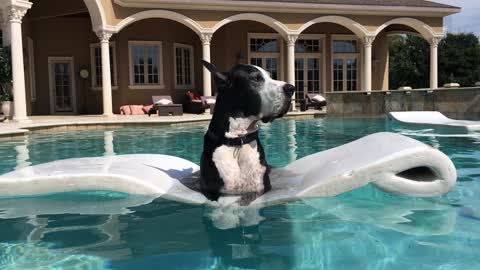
[(5, 73), (458, 59), (409, 62)]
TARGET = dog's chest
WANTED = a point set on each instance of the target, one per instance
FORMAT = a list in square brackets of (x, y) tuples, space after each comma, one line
[(240, 168)]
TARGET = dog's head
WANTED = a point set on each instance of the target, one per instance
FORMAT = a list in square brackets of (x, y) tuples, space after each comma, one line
[(251, 92)]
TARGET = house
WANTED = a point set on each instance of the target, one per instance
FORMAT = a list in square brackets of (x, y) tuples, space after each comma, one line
[(92, 56)]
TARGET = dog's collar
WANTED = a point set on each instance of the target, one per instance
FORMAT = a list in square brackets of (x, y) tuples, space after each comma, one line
[(239, 141)]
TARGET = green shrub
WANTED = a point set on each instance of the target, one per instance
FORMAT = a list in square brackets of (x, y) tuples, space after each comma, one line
[(5, 74)]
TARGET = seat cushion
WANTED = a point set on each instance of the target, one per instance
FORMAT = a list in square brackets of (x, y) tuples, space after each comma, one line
[(125, 110), (210, 101), (318, 98), (137, 109), (147, 108), (164, 101)]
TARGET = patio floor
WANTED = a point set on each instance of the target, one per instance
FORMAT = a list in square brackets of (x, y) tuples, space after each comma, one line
[(75, 122)]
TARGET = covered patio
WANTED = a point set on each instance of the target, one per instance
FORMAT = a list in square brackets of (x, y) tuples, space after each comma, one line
[(318, 47)]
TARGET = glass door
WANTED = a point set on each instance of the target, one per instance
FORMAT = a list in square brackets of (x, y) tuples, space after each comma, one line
[(269, 64), (265, 52), (307, 76), (345, 73), (62, 85)]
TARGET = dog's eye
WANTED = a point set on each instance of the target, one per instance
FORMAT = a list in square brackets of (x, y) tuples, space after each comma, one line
[(258, 78)]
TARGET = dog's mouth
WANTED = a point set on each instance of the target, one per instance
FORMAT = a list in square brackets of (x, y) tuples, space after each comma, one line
[(284, 110)]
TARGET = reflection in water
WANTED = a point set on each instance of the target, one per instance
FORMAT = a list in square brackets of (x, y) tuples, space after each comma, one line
[(363, 229), (108, 143), (314, 234), (23, 156)]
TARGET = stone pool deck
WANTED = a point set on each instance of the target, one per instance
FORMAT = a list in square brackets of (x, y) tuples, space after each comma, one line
[(14, 130)]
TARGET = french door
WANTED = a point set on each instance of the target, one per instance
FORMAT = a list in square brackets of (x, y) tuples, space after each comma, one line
[(345, 73), (307, 75), (269, 63), (62, 84)]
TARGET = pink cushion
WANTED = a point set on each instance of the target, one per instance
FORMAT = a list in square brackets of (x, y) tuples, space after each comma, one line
[(125, 110), (137, 109), (147, 108)]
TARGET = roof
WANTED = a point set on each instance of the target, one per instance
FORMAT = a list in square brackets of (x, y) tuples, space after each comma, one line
[(397, 3)]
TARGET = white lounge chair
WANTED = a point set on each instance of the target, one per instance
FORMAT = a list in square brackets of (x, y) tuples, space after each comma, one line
[(433, 119)]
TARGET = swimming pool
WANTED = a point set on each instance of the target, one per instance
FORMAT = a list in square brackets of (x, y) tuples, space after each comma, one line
[(363, 229)]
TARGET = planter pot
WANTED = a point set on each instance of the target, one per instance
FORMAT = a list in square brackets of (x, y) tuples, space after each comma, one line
[(7, 109), (477, 84)]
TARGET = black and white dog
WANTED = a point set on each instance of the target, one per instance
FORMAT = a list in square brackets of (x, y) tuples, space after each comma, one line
[(233, 160)]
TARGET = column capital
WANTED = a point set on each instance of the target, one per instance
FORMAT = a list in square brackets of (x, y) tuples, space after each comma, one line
[(435, 41), (292, 39), (206, 38), (104, 36), (368, 41), (16, 12)]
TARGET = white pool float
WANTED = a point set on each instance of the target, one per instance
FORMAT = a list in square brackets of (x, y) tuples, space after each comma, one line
[(392, 162), (433, 119)]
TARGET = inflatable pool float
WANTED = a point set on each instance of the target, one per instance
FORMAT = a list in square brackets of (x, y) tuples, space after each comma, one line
[(391, 162), (433, 119)]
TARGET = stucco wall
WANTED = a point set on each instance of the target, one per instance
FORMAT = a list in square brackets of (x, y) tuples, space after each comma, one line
[(72, 38)]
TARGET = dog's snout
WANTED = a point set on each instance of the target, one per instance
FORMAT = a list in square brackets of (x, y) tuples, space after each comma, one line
[(289, 89)]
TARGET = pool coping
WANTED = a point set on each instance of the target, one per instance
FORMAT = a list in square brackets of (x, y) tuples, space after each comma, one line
[(18, 130)]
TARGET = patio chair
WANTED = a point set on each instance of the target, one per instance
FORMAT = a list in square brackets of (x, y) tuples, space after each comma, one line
[(165, 106), (194, 103), (209, 101), (316, 100)]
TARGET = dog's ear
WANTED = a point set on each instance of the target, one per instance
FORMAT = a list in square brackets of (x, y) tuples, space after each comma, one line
[(221, 78)]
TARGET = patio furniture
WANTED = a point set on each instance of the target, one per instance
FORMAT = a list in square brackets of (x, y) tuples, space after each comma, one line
[(165, 106), (194, 103), (132, 110), (315, 100), (209, 101), (434, 120)]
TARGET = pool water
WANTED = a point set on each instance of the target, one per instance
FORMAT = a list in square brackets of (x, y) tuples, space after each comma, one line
[(362, 229)]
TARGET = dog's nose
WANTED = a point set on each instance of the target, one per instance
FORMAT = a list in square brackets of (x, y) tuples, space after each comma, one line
[(289, 89)]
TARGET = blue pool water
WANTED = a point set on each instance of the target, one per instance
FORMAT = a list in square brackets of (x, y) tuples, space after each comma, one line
[(363, 229)]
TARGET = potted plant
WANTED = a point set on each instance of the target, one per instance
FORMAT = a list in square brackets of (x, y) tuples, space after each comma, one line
[(6, 97)]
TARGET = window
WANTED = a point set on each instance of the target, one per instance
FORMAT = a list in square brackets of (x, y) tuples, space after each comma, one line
[(308, 46), (345, 46), (265, 51), (308, 65), (145, 64), (96, 65), (345, 63), (184, 77)]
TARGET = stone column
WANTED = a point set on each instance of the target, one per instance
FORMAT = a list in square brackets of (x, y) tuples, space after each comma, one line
[(15, 16), (207, 78), (434, 62), (367, 68), (291, 40), (104, 37)]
